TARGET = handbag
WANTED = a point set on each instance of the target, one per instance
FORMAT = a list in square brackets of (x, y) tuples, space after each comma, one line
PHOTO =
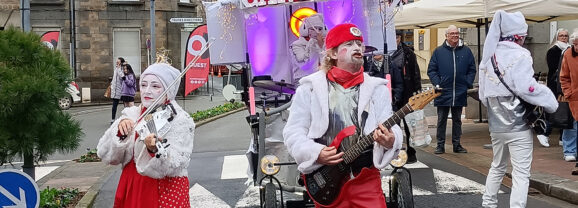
[(107, 92), (418, 127), (534, 115), (562, 118)]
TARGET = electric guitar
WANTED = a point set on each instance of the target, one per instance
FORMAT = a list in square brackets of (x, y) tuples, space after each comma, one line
[(324, 184)]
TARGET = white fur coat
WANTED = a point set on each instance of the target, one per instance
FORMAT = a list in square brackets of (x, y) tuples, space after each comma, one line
[(309, 119), (180, 137), (515, 64)]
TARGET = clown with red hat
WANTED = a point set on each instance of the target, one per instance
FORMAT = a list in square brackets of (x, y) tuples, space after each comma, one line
[(330, 103)]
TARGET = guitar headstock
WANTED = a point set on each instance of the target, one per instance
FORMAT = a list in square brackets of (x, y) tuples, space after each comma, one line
[(420, 100)]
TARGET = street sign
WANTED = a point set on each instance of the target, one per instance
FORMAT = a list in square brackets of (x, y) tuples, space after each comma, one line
[(185, 20), (190, 25), (17, 189)]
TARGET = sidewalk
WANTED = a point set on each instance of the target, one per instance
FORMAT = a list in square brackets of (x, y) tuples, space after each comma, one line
[(550, 174), (89, 177)]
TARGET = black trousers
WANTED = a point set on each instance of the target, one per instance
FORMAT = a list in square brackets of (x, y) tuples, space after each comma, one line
[(114, 107), (443, 112)]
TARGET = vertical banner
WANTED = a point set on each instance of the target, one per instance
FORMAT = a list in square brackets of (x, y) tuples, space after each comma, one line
[(50, 39), (198, 74)]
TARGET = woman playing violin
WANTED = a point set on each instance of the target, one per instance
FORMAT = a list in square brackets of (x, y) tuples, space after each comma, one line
[(146, 180)]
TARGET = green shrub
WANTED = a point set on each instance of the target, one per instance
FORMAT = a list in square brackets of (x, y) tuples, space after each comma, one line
[(58, 198), (205, 114), (90, 156)]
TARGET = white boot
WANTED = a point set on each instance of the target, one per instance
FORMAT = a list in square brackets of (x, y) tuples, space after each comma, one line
[(543, 140)]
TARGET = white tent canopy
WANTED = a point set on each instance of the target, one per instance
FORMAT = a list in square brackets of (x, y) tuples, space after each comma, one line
[(465, 13)]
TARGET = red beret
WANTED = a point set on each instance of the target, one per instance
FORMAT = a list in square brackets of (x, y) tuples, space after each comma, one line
[(342, 33)]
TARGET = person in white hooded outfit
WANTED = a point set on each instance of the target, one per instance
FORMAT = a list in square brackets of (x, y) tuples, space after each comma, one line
[(306, 51), (334, 98), (147, 180), (511, 136)]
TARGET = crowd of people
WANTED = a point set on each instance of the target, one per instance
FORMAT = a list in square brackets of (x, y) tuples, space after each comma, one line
[(123, 86)]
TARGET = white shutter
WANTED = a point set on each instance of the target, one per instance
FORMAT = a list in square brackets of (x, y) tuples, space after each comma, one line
[(126, 44)]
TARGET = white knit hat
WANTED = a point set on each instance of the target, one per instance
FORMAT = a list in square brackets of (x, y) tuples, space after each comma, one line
[(167, 74), (504, 24), (315, 20)]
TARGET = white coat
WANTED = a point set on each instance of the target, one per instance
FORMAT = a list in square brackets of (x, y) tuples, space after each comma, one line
[(305, 57), (309, 119), (180, 137), (515, 64)]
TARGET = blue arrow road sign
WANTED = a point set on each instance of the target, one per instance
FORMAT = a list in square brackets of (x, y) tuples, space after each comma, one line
[(17, 189)]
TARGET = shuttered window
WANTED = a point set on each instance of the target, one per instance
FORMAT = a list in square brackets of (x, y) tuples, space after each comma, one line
[(126, 44)]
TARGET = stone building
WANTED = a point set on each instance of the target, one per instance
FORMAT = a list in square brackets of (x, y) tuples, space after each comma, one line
[(105, 30)]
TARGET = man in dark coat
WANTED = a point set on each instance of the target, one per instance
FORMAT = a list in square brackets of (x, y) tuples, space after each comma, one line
[(404, 65), (452, 68), (405, 79)]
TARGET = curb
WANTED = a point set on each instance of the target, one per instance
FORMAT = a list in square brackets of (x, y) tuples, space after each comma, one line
[(88, 199), (554, 186), (208, 120)]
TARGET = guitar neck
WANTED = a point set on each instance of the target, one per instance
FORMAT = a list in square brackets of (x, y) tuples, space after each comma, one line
[(365, 141)]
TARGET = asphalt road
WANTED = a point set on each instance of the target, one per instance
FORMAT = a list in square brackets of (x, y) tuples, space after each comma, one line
[(217, 175)]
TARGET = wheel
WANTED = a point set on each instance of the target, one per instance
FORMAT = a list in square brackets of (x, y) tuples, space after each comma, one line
[(402, 192), (65, 103), (270, 196)]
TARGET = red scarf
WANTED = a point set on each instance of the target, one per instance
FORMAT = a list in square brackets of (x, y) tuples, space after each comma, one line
[(344, 78)]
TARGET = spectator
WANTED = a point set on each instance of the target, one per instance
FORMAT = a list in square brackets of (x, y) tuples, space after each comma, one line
[(511, 137), (553, 58), (404, 63), (452, 67), (116, 86), (128, 86), (569, 84)]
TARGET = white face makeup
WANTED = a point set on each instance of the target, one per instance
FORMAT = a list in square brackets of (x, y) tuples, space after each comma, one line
[(151, 88), (349, 55)]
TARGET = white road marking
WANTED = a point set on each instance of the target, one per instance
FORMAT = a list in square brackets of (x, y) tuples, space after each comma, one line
[(250, 198), (234, 167), (454, 184), (415, 165), (42, 171), (201, 197)]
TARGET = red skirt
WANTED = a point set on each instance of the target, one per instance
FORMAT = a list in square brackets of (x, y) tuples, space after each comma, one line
[(362, 191), (136, 190)]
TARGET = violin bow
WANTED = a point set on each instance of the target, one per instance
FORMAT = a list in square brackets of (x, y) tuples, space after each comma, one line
[(177, 80)]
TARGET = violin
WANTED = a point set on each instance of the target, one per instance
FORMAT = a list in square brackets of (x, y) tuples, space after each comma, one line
[(157, 122)]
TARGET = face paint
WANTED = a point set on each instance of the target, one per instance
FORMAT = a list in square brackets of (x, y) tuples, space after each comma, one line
[(151, 88), (350, 55)]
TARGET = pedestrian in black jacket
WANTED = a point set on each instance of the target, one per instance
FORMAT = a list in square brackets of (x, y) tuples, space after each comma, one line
[(452, 68)]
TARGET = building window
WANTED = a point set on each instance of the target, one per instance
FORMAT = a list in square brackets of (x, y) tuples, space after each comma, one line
[(126, 44)]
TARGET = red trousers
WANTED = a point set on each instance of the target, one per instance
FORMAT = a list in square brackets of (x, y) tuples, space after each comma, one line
[(362, 191)]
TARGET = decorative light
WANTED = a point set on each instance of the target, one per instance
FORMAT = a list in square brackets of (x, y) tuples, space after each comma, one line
[(297, 19)]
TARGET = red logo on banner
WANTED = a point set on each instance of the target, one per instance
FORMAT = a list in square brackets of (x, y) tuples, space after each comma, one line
[(198, 74), (50, 39)]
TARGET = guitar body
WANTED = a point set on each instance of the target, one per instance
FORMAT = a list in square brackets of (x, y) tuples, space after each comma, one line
[(324, 184)]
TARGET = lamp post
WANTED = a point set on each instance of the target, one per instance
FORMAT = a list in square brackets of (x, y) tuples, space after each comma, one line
[(153, 40)]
